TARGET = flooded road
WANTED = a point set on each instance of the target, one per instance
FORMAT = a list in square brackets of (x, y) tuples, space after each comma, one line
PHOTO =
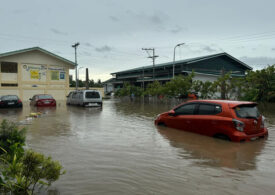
[(118, 150)]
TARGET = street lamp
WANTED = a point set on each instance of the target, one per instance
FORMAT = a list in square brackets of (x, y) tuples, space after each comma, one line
[(174, 58), (76, 81)]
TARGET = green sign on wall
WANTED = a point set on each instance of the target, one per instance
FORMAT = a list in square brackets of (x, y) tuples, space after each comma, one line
[(55, 75)]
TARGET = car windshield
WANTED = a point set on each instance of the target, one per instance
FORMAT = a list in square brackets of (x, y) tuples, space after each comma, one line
[(9, 97), (247, 111), (45, 97), (92, 94)]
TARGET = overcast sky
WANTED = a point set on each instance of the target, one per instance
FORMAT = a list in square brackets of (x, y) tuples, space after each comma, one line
[(112, 32)]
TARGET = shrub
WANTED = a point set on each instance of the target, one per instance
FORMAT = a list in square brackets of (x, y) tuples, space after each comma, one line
[(12, 139), (23, 171)]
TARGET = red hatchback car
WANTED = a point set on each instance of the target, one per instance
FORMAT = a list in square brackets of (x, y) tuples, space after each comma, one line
[(231, 120), (42, 100)]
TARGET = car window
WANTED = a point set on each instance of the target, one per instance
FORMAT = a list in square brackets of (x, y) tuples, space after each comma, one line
[(74, 95), (92, 94), (209, 109), (187, 109), (80, 95), (45, 97), (247, 111), (9, 97)]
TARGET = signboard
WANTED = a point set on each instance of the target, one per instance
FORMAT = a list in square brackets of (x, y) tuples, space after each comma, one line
[(55, 75), (34, 74), (62, 75)]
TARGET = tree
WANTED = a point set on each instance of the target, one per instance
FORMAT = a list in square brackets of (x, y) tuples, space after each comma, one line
[(179, 86), (260, 85), (154, 89)]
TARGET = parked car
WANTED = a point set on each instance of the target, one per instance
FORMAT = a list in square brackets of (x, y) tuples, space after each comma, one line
[(84, 98), (10, 101), (42, 100), (231, 120)]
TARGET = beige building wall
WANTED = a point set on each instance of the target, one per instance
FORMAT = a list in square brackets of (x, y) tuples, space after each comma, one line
[(38, 73)]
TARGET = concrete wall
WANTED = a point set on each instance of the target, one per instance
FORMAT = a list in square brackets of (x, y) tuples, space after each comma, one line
[(204, 78)]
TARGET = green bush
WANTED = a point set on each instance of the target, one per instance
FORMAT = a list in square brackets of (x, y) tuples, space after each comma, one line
[(12, 139), (23, 171)]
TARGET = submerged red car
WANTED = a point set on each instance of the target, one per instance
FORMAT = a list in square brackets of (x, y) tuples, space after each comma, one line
[(231, 120), (42, 100)]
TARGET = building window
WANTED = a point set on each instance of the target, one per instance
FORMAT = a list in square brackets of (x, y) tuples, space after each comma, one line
[(9, 84), (8, 67)]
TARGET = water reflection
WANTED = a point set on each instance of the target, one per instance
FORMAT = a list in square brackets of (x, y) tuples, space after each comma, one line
[(213, 152)]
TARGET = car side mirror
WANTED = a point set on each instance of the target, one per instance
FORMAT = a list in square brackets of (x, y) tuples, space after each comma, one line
[(171, 113)]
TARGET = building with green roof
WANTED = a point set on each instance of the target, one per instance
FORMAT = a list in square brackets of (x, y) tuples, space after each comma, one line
[(206, 68)]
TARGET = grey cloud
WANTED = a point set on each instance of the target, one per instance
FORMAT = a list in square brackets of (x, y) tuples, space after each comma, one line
[(104, 48), (156, 20), (85, 53), (258, 62), (272, 49), (176, 30), (113, 18), (88, 44), (58, 32), (209, 49)]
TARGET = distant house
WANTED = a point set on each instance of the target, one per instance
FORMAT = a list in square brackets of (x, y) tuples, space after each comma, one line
[(34, 71), (206, 68)]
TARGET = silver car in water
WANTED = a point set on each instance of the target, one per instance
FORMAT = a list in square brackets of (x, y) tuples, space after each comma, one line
[(85, 98)]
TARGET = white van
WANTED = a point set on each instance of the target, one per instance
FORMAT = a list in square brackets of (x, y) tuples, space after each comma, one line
[(84, 98)]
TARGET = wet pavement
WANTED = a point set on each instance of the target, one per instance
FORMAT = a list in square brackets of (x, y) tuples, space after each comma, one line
[(118, 150)]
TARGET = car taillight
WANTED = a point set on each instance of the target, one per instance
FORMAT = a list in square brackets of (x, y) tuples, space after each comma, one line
[(263, 122), (239, 125)]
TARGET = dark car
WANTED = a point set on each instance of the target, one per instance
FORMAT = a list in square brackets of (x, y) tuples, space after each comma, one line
[(231, 120), (7, 101), (43, 100)]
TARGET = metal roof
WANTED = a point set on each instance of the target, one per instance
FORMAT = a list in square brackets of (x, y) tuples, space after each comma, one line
[(36, 49), (187, 61)]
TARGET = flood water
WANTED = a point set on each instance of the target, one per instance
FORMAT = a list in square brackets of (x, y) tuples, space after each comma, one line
[(119, 150)]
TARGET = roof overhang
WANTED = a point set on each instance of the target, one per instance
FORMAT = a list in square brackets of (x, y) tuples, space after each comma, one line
[(72, 64)]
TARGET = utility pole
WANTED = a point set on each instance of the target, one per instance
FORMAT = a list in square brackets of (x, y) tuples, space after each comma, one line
[(75, 56), (87, 78), (143, 78), (153, 58), (223, 84)]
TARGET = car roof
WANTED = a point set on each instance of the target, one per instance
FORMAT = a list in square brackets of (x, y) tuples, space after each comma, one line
[(231, 103), (8, 95), (42, 94)]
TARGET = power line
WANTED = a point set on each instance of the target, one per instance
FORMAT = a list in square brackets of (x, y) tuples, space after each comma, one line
[(153, 58)]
